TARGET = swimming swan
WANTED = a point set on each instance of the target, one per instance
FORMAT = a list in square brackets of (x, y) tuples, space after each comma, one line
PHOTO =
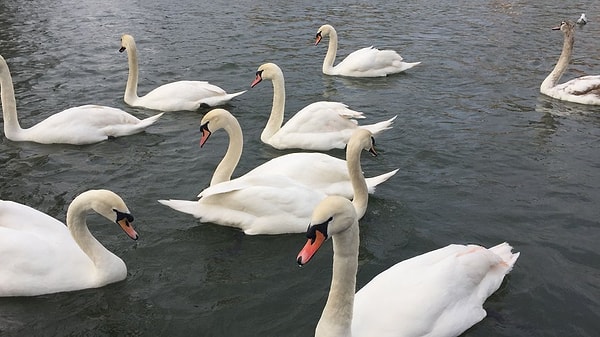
[(174, 96), (439, 293), (272, 204), (40, 255), (365, 62), (80, 125), (583, 90), (320, 126)]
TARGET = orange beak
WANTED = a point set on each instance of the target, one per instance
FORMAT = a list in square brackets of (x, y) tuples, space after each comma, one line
[(319, 37), (127, 228), (205, 134), (257, 80), (310, 248)]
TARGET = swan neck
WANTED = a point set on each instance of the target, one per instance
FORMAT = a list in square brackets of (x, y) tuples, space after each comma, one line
[(77, 225), (9, 105), (277, 110), (132, 78), (357, 179), (331, 53), (562, 63), (231, 158), (336, 319)]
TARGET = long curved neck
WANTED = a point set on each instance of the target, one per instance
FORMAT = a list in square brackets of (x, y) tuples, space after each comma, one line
[(9, 105), (277, 110), (331, 53), (357, 179), (77, 225), (563, 62), (336, 319), (132, 78), (231, 158)]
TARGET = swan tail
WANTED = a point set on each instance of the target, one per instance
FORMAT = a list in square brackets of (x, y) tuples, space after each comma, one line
[(379, 127), (407, 65), (372, 182), (221, 99), (146, 122), (504, 251)]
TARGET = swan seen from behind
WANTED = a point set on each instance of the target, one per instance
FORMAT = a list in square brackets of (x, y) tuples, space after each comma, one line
[(320, 126), (436, 294), (79, 125), (174, 96), (365, 62), (583, 90), (40, 255)]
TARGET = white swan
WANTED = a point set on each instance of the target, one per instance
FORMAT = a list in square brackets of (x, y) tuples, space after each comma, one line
[(80, 125), (40, 255), (439, 293), (365, 62), (174, 96), (317, 171), (583, 90), (320, 126), (269, 203), (582, 19)]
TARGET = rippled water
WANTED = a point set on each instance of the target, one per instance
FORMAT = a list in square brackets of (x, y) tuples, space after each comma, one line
[(483, 157)]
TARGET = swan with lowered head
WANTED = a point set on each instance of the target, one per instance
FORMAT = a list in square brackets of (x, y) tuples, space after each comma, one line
[(320, 126), (40, 255), (439, 293), (174, 96), (365, 62), (272, 203), (583, 90), (80, 125)]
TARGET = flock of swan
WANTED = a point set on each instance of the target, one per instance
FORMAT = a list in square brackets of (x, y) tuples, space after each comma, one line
[(439, 293)]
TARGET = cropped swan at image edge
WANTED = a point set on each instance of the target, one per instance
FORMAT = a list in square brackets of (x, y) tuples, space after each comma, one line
[(365, 62), (272, 203), (174, 96), (86, 124), (319, 126), (583, 90), (439, 293), (40, 255)]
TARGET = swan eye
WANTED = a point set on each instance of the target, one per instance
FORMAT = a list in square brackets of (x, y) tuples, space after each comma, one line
[(121, 216), (319, 35), (259, 73), (311, 233)]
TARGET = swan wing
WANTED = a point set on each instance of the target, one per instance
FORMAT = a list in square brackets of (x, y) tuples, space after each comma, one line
[(439, 293), (184, 95), (372, 62), (38, 253)]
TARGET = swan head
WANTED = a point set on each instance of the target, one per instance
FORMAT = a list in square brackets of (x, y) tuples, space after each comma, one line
[(267, 71), (214, 120), (323, 31), (565, 26), (109, 205), (127, 41), (362, 138), (333, 215)]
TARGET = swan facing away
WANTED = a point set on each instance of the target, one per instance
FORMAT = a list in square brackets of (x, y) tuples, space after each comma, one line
[(365, 62), (320, 126), (439, 293), (583, 90), (582, 19), (80, 125), (174, 96), (267, 202), (40, 255)]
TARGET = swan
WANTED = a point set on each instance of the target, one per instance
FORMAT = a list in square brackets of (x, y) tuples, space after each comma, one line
[(582, 19), (40, 255), (320, 126), (439, 293), (365, 62), (583, 90), (174, 96), (271, 203), (315, 170), (79, 125)]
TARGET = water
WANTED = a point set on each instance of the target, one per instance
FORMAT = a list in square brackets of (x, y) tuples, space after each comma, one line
[(483, 157)]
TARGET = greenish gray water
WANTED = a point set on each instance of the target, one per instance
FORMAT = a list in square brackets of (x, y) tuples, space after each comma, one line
[(483, 157)]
